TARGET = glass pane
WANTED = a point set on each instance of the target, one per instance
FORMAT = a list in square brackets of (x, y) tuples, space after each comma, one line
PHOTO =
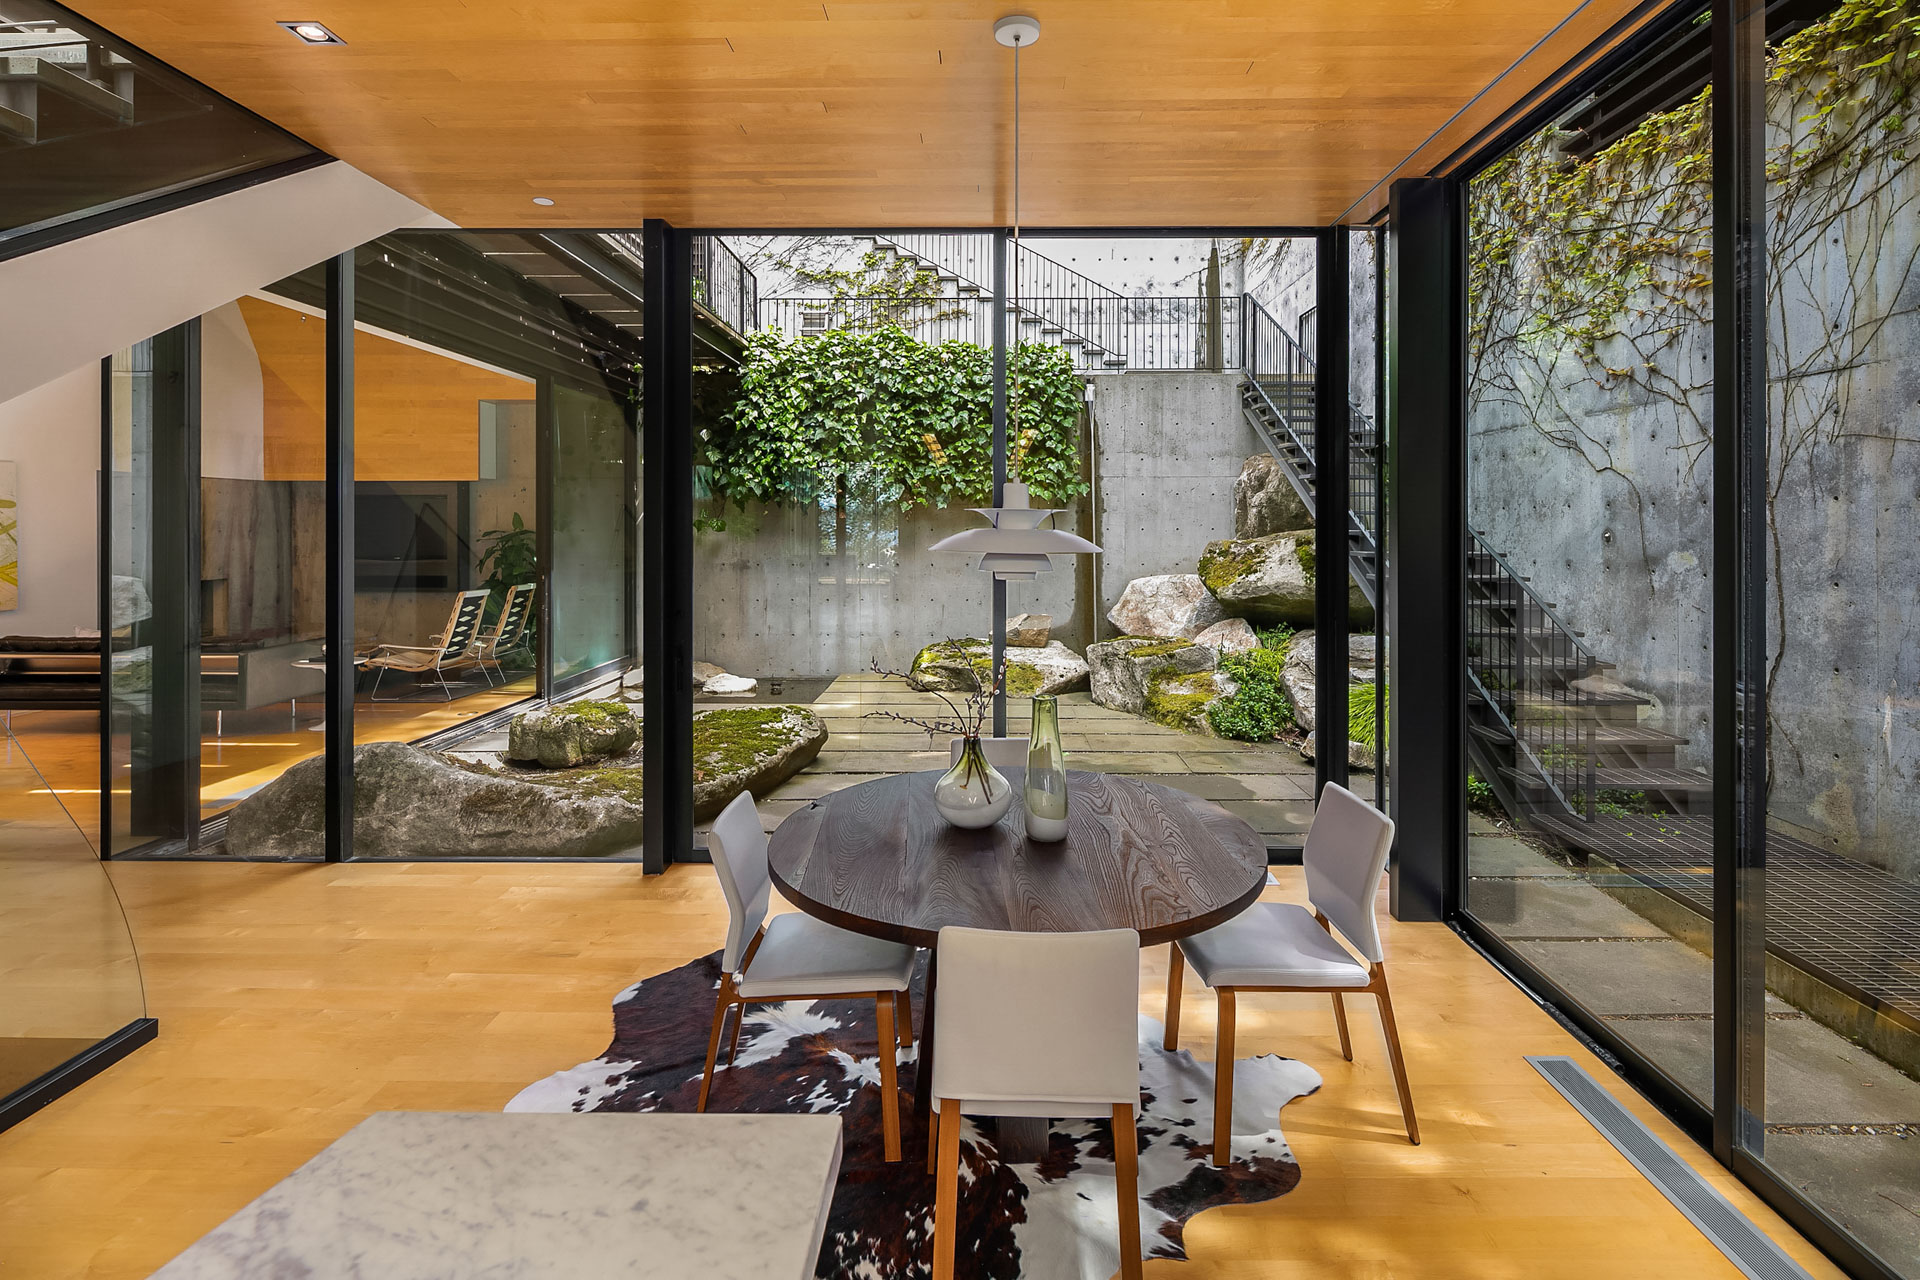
[(89, 123), (486, 367), (1842, 882), (1588, 562), (592, 496), (854, 433), (1367, 695), (71, 975)]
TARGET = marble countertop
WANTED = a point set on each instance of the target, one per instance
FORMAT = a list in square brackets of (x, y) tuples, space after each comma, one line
[(410, 1195)]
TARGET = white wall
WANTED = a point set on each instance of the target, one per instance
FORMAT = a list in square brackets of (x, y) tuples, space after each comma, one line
[(53, 434), (87, 298), (232, 398)]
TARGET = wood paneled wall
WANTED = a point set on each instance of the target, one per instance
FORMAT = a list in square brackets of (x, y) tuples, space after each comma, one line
[(416, 414)]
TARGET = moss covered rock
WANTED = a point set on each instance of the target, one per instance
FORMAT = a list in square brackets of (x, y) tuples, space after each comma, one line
[(1123, 672), (965, 666), (409, 803), (755, 749), (572, 733), (1271, 580)]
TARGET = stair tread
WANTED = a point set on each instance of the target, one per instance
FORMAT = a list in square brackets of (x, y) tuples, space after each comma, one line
[(78, 88)]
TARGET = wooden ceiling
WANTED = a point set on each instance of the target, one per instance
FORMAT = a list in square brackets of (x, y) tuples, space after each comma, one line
[(870, 113)]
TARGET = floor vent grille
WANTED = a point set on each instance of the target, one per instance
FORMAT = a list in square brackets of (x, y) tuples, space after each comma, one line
[(1731, 1231)]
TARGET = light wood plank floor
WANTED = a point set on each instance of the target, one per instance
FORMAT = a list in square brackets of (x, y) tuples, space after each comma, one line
[(294, 1000)]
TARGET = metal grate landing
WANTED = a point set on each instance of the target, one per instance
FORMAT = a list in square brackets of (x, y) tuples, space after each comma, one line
[(1732, 1232), (1854, 927)]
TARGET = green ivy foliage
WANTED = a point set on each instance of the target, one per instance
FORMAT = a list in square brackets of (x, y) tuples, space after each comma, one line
[(883, 413), (1579, 250), (1259, 710)]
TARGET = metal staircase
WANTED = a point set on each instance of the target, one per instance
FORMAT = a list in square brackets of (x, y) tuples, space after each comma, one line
[(1058, 306), (56, 84), (1544, 728)]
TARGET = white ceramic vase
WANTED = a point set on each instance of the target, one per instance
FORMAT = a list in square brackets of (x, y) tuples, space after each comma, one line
[(973, 793)]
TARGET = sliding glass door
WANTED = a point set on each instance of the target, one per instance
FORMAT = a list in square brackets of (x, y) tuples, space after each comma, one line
[(1690, 597)]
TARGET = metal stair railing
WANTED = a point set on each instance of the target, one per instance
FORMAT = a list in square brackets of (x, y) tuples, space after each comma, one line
[(1057, 295), (1523, 662), (1278, 397)]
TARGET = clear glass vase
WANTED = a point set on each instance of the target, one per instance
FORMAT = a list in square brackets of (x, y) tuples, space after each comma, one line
[(1046, 773), (973, 793)]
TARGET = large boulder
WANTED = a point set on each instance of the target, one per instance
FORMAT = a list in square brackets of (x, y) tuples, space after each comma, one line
[(1298, 676), (755, 749), (1166, 606), (1130, 673), (409, 803), (572, 733), (961, 666), (1230, 635), (1264, 503), (1271, 579), (1029, 630)]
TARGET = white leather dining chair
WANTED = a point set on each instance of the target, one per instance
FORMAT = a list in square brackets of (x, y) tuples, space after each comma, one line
[(1278, 946), (796, 957), (1002, 753), (1036, 1024)]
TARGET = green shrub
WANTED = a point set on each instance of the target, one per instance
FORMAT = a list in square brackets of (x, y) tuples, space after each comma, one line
[(1259, 710), (1362, 707), (1279, 639)]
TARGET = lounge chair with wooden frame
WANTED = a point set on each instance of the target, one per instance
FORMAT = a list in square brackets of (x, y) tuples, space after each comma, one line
[(796, 957), (451, 650), (509, 631), (1279, 946)]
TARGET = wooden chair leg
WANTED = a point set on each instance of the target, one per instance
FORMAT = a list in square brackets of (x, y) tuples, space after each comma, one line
[(946, 1191), (1395, 1057), (1223, 1082), (903, 1012), (1176, 970), (1126, 1167), (889, 1093), (720, 1006), (933, 1139), (733, 1046), (1340, 1021)]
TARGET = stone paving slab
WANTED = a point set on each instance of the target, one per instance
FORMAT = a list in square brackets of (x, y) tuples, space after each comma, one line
[(1543, 907), (1869, 1183), (1653, 977), (1813, 1075)]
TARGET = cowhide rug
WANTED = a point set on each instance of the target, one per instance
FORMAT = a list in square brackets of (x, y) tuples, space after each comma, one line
[(1054, 1220)]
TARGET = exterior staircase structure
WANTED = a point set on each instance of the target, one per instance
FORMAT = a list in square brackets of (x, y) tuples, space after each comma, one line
[(1561, 743), (55, 85)]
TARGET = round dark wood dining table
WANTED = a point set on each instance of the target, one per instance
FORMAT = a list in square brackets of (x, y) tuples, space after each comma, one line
[(878, 859)]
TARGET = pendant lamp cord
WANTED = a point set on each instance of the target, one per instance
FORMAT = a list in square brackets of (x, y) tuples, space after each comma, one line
[(1014, 381)]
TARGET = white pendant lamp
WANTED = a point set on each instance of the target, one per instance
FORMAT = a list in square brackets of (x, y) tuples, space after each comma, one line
[(1014, 546)]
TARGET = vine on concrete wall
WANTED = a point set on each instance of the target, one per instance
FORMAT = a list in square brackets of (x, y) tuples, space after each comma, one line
[(1590, 282), (882, 413)]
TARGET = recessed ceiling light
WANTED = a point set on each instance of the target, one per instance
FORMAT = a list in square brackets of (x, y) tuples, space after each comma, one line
[(313, 32), (542, 201)]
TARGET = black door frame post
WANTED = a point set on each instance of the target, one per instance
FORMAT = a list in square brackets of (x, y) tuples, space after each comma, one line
[(167, 804), (1739, 574), (1333, 483), (341, 673), (1426, 490), (666, 586)]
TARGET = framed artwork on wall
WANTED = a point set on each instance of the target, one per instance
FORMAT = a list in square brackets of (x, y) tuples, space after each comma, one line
[(9, 540)]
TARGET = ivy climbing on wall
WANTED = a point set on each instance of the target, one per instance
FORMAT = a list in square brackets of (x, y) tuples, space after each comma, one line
[(881, 413)]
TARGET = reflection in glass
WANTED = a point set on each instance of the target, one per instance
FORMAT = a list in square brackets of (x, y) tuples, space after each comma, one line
[(68, 973), (1588, 557), (1842, 1040)]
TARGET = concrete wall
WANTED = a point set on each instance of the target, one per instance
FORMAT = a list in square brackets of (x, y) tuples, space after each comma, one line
[(770, 601), (1600, 490), (1168, 447)]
